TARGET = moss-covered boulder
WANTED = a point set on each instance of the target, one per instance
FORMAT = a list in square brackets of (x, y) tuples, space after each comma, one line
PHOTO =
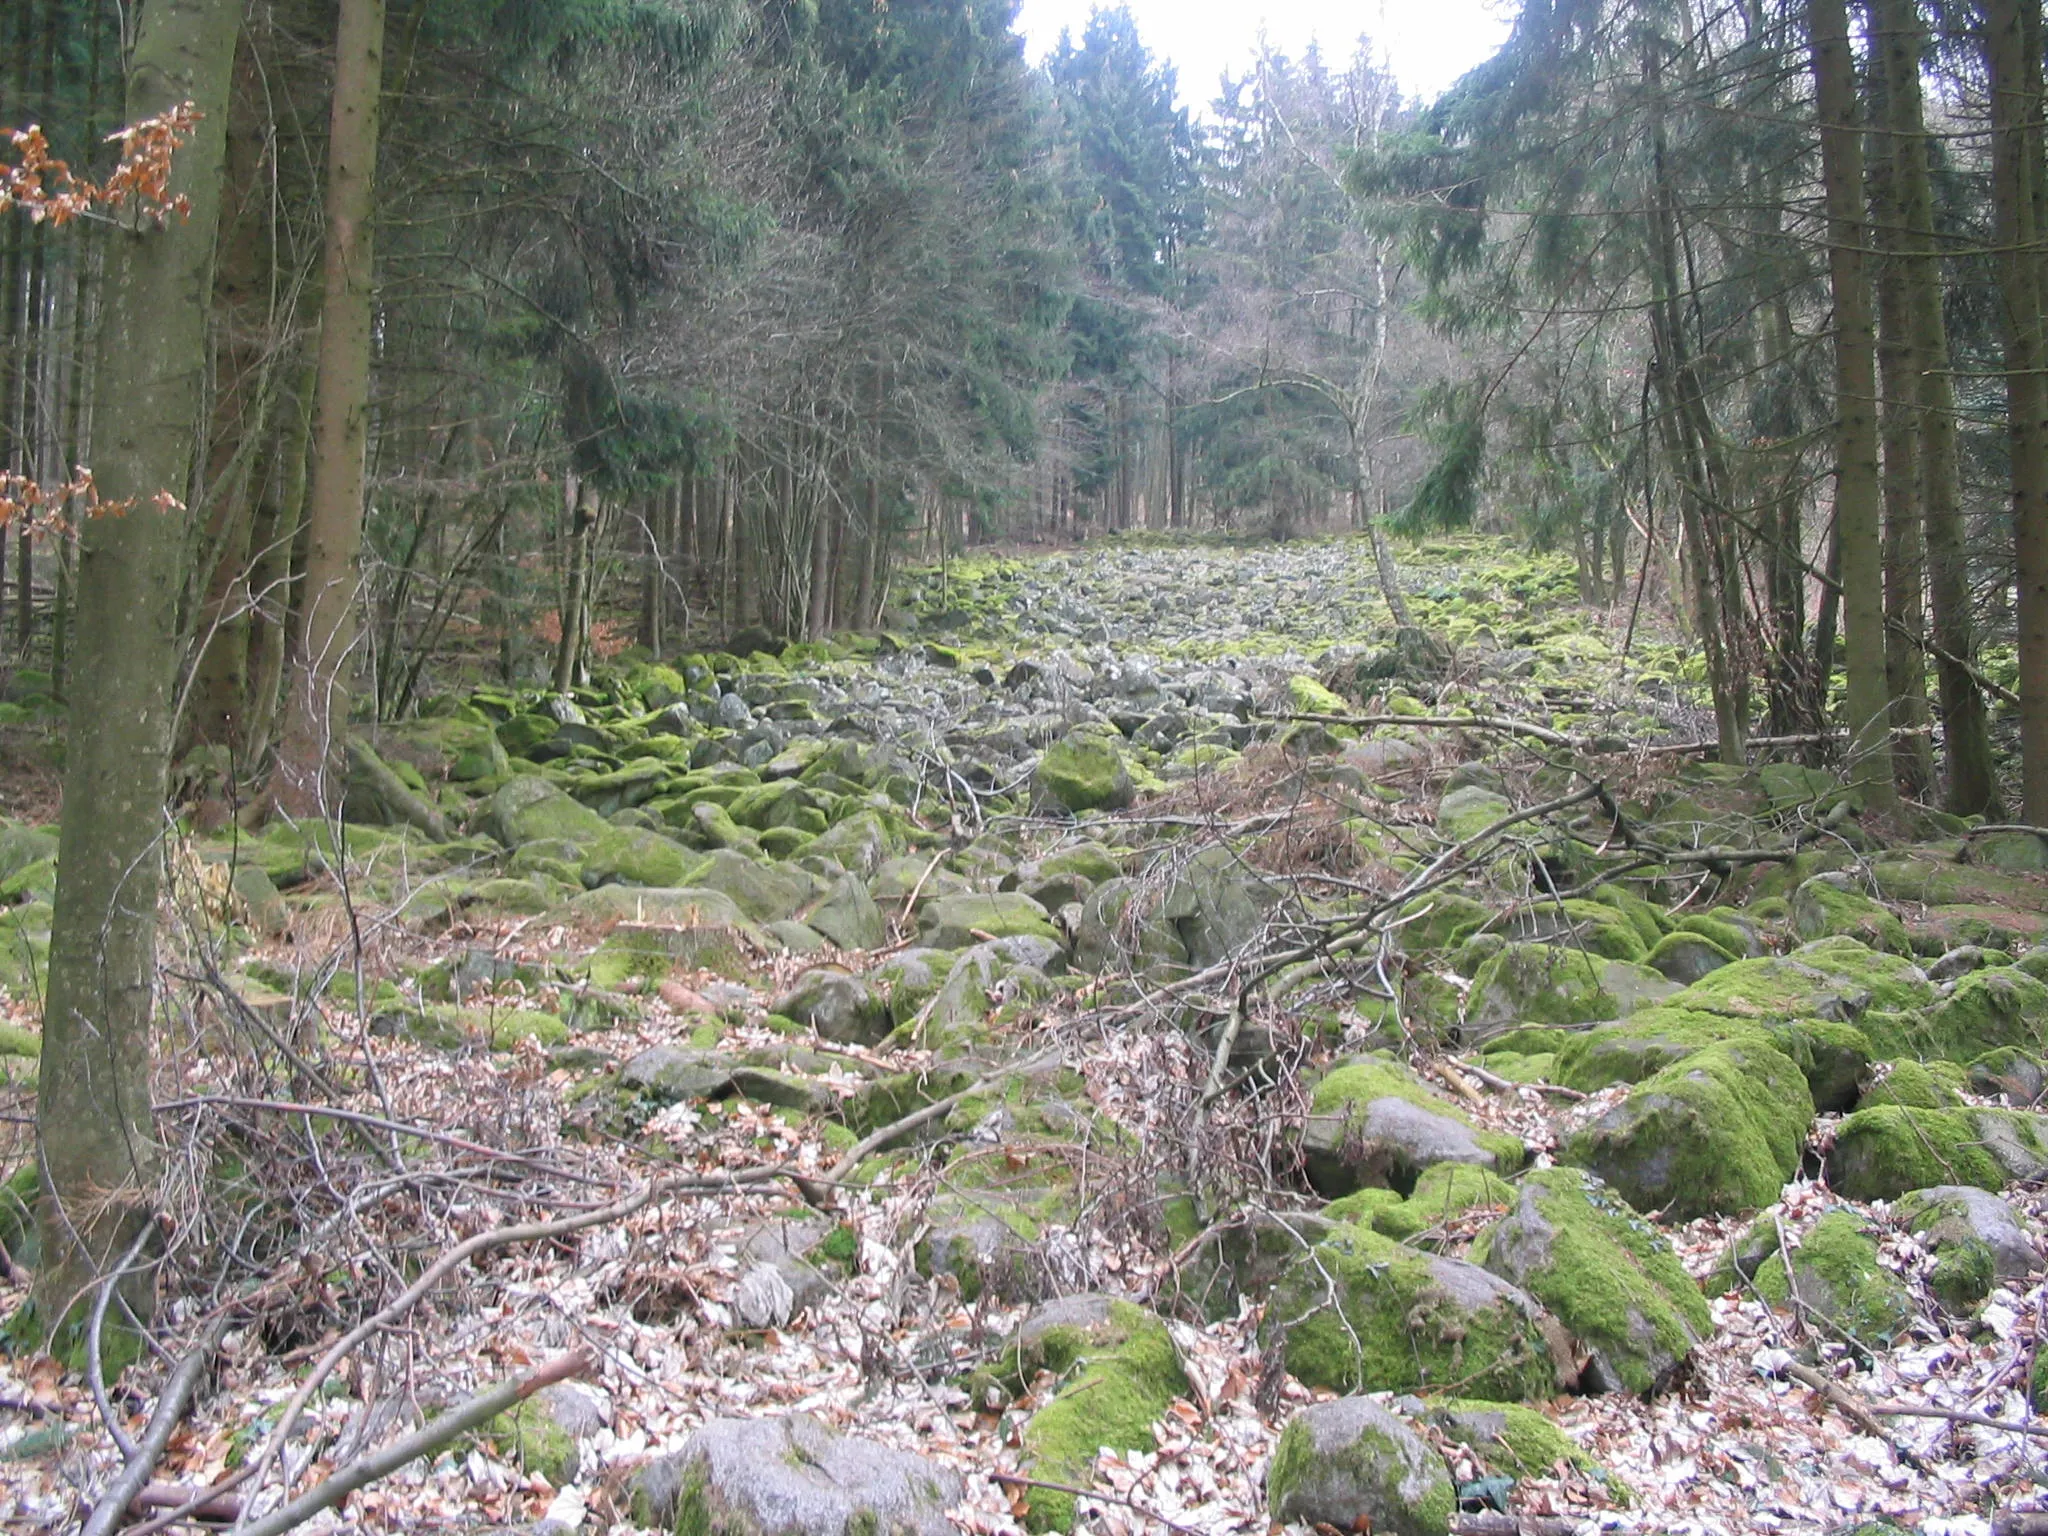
[(838, 1005), (1116, 1370), (1827, 906), (1083, 771), (1685, 958), (1716, 1133), (1883, 1152), (1604, 1272), (792, 1477), (1372, 1122), (1512, 1440), (1915, 1084), (956, 922), (1556, 984), (1595, 927), (1362, 1313), (1998, 1006), (1959, 1217), (1468, 810), (1838, 1275), (1351, 1465), (766, 893), (528, 810)]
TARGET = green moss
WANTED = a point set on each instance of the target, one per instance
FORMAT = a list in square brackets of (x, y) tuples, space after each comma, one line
[(1916, 1085), (1369, 1462), (1649, 920), (509, 1029), (1084, 771), (1987, 1009), (528, 1435), (1841, 1277), (1882, 1152), (1556, 984), (1513, 1440), (1730, 936), (1384, 1210), (1395, 1328), (1963, 1274), (1602, 1271), (1823, 909), (1119, 1379), (1717, 1132)]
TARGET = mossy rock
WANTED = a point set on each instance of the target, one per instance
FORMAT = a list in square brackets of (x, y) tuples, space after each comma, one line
[(1439, 920), (959, 921), (1581, 924), (1363, 1313), (1917, 1085), (1824, 907), (1888, 1150), (1604, 1272), (1118, 1370), (1468, 810), (1999, 1006), (1716, 1133), (1834, 1058), (1371, 1121), (1553, 984), (1839, 1277), (529, 1436), (1083, 771), (1687, 957), (1350, 1465), (1514, 1441)]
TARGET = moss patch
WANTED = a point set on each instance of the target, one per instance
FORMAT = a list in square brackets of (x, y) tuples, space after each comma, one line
[(1362, 1313)]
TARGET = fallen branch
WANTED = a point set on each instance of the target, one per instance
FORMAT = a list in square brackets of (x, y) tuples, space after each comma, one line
[(1957, 1416), (1494, 1523), (1504, 724), (2019, 1522), (1014, 1480), (364, 1470), (171, 1403), (1501, 1084)]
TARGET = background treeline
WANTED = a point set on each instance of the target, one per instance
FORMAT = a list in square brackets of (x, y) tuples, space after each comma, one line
[(664, 321)]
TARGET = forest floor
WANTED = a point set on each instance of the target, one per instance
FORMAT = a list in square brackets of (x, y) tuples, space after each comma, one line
[(1088, 1055)]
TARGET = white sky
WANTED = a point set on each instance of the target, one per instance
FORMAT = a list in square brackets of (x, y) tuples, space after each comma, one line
[(1430, 43)]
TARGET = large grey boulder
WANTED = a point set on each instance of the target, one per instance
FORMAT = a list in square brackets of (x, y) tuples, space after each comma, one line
[(1352, 1465), (793, 1477)]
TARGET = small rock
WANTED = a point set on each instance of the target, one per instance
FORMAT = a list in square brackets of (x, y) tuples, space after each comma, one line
[(1353, 1466), (793, 1477)]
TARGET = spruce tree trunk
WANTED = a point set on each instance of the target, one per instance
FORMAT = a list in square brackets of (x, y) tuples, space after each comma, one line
[(1972, 783), (2012, 48), (95, 1139), (316, 710), (1858, 524), (1905, 566)]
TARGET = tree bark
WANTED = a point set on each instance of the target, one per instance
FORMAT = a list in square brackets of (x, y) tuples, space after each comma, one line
[(1899, 423), (2012, 49), (1972, 783), (316, 711), (1858, 522), (95, 1140)]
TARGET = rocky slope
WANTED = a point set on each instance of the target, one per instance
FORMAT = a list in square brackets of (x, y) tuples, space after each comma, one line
[(1187, 1097)]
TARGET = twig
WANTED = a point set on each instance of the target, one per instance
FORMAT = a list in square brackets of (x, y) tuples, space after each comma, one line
[(480, 1409), (1501, 1084), (170, 1408), (378, 1122), (95, 1367), (1014, 1480), (1853, 1409), (1956, 1416)]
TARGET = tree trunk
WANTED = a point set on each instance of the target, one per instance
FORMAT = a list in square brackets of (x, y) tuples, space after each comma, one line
[(1858, 523), (1905, 569), (96, 1143), (316, 712), (2012, 47), (1972, 787), (576, 584)]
